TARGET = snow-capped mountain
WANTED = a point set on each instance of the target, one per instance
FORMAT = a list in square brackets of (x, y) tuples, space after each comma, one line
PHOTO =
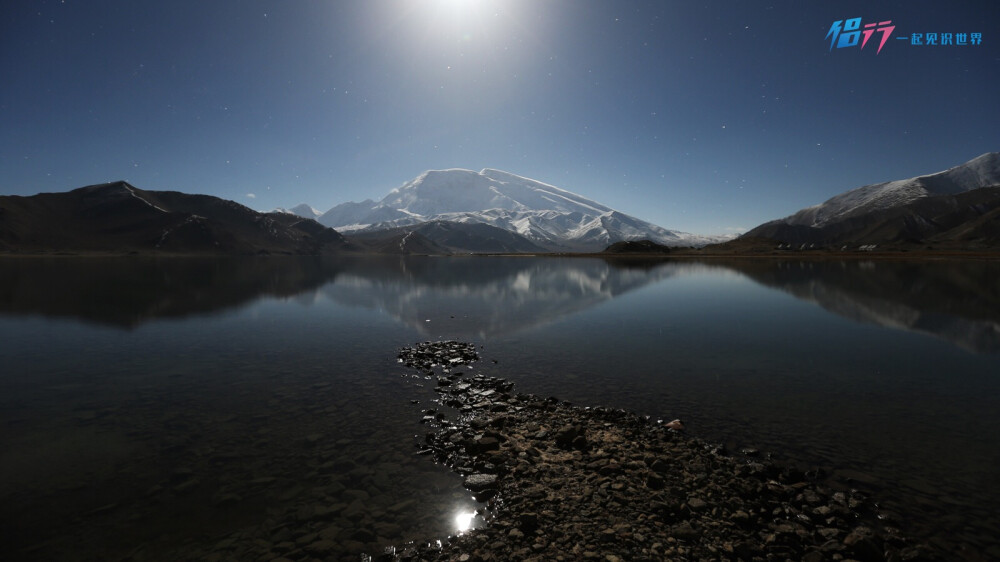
[(982, 171), (956, 207), (303, 210), (546, 215)]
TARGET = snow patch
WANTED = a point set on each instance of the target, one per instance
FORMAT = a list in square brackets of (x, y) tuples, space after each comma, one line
[(136, 195)]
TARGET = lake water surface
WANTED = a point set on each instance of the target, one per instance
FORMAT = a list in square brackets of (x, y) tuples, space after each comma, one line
[(158, 409)]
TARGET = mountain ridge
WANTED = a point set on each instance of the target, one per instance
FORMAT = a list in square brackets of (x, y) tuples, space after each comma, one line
[(119, 217), (981, 171), (954, 207)]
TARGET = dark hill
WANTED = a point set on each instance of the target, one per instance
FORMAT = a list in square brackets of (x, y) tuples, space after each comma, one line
[(397, 241), (457, 237), (637, 247), (118, 217)]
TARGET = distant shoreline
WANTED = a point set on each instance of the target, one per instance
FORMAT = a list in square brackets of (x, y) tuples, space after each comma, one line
[(685, 254)]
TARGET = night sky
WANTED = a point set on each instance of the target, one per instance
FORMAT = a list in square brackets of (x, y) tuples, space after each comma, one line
[(707, 117)]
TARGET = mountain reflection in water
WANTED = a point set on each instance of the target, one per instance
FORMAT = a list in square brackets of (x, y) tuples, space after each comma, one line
[(127, 292), (178, 401), (487, 297), (958, 301)]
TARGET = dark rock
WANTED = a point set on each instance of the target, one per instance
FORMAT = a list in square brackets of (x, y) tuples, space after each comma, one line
[(684, 531), (654, 481), (565, 436), (696, 504), (528, 522), (659, 466), (864, 546), (484, 444)]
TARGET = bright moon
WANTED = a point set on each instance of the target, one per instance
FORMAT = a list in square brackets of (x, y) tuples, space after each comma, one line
[(462, 10)]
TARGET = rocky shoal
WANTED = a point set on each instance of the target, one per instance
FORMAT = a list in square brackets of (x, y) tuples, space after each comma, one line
[(564, 482)]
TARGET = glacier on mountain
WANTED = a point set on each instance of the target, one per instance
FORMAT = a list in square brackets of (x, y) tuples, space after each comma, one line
[(546, 215)]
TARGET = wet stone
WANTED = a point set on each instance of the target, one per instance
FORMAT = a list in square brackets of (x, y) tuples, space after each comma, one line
[(697, 504), (485, 444), (478, 482)]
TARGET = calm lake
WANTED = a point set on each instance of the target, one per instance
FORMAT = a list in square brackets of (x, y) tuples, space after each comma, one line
[(163, 409)]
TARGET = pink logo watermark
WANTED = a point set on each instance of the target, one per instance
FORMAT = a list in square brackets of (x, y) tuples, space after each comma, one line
[(847, 33), (852, 33)]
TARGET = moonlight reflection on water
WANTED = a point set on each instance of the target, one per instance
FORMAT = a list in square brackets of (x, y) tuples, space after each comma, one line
[(464, 521)]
